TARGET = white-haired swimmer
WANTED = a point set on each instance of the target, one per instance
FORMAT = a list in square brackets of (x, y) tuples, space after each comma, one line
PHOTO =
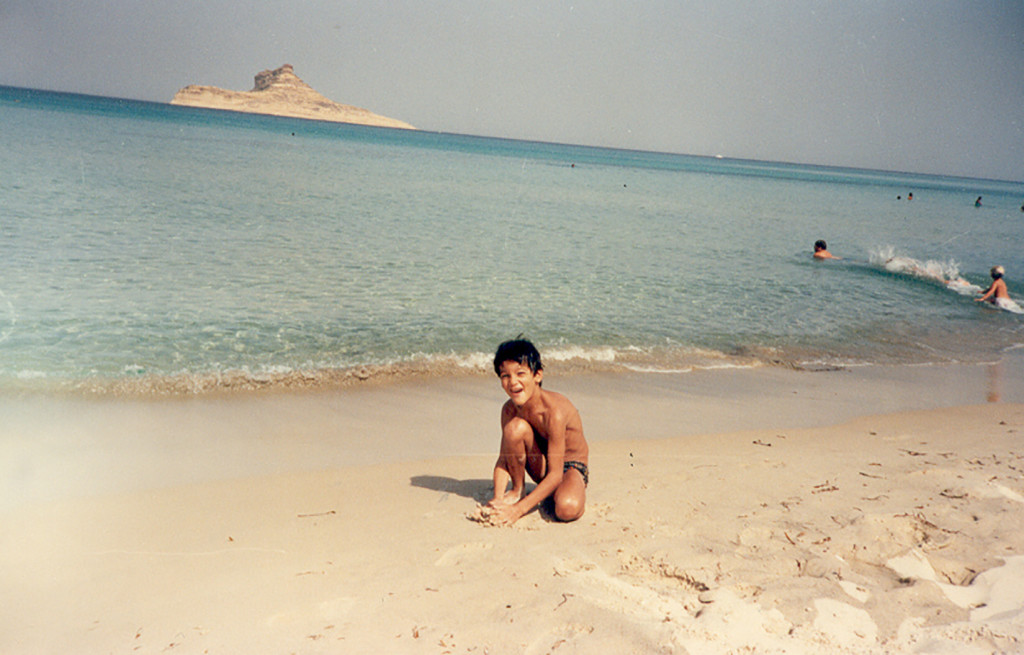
[(996, 293)]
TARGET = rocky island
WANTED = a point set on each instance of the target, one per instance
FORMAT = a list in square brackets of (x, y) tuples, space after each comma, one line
[(280, 92)]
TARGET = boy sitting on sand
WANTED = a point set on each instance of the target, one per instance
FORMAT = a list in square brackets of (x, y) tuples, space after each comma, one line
[(997, 293), (541, 434)]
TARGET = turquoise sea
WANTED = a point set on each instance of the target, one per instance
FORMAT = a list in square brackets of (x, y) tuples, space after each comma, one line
[(157, 248)]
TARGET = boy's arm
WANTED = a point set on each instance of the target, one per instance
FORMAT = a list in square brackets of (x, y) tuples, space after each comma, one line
[(501, 475)]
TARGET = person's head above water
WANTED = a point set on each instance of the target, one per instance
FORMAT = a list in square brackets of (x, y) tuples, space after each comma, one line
[(820, 245), (997, 272)]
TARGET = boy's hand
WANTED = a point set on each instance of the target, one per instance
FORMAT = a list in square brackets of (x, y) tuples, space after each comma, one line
[(504, 514), (495, 513)]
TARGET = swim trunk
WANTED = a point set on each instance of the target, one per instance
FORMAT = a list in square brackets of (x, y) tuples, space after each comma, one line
[(1007, 304), (579, 466)]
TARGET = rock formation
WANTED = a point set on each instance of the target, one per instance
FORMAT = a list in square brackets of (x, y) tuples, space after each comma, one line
[(280, 92)]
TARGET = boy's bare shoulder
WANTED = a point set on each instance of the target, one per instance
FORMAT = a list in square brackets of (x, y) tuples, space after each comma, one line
[(560, 404)]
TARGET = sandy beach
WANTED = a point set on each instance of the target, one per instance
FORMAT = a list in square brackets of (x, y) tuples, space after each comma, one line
[(766, 511)]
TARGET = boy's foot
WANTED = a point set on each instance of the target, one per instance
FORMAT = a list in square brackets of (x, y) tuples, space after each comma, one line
[(512, 497)]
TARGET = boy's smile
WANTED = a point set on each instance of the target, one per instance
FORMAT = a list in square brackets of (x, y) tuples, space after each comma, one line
[(519, 382)]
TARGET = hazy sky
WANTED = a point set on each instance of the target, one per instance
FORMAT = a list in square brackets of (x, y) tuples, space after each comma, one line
[(916, 85)]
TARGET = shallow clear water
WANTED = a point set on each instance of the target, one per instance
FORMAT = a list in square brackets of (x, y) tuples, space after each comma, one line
[(148, 241)]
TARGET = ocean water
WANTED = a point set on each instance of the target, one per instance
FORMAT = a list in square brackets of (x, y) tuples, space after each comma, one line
[(156, 248)]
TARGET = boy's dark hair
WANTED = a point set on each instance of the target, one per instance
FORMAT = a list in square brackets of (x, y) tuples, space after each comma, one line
[(518, 350), (820, 245)]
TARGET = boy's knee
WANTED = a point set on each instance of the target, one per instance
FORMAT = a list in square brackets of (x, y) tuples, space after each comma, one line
[(568, 508), (517, 429)]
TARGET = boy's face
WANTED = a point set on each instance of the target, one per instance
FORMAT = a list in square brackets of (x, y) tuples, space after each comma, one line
[(519, 382)]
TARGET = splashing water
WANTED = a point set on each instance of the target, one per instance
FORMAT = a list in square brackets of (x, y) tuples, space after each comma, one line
[(946, 273)]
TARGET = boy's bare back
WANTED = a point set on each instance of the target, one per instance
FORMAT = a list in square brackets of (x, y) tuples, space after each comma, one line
[(997, 290)]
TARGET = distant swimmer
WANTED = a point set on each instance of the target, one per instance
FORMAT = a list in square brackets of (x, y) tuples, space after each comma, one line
[(957, 282), (997, 293), (821, 250), (913, 267), (910, 196), (977, 203)]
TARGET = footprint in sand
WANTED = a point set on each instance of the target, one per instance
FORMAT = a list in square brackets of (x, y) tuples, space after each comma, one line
[(334, 609), (557, 637), (596, 587), (458, 553), (1006, 492), (844, 623)]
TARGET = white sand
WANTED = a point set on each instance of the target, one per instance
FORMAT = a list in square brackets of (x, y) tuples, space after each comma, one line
[(894, 533)]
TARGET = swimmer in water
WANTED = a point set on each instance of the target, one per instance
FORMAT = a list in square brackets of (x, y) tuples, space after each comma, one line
[(821, 250), (997, 293)]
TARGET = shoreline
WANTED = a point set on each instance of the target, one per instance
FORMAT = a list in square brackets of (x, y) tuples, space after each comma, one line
[(136, 382), (573, 361)]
